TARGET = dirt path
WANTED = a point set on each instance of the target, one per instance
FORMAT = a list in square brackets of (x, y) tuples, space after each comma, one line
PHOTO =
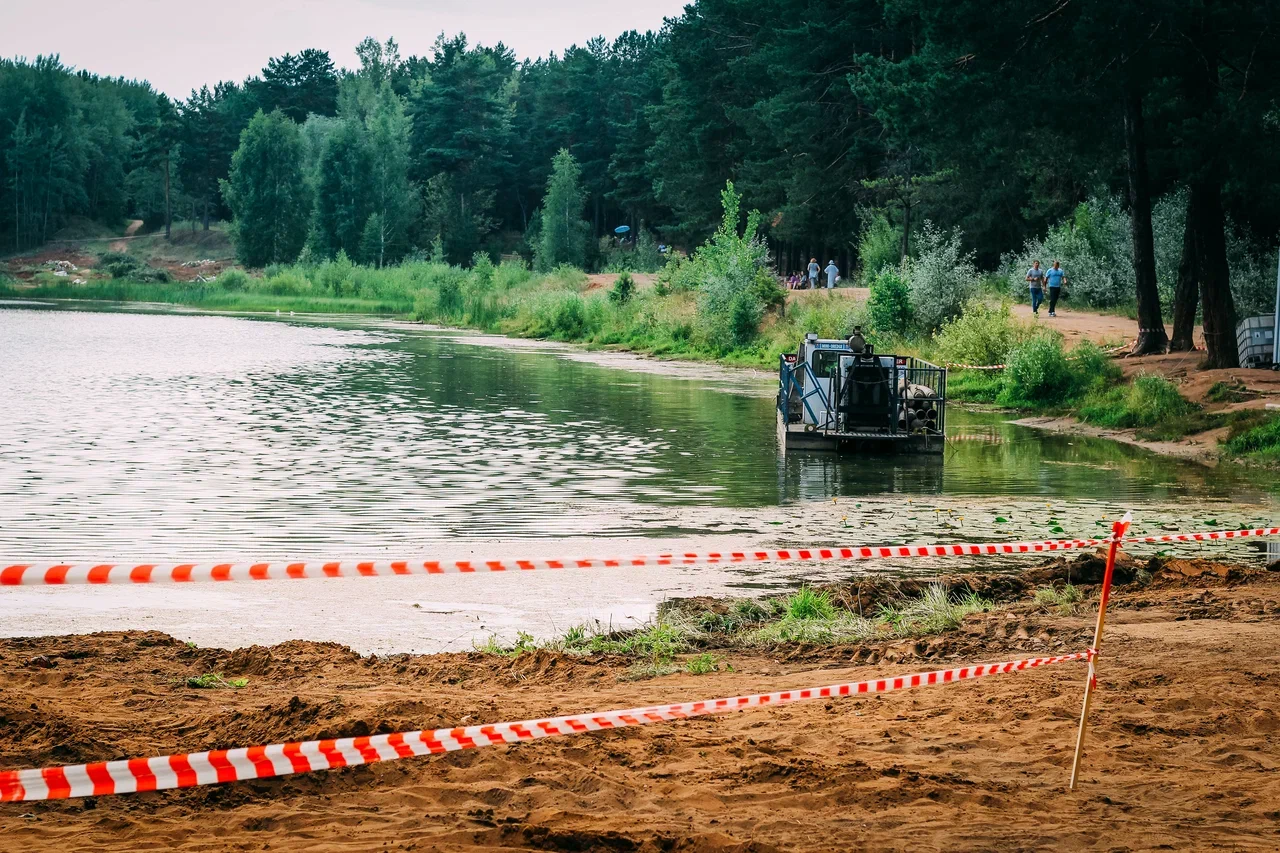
[(598, 280), (130, 232), (1183, 752), (1077, 326)]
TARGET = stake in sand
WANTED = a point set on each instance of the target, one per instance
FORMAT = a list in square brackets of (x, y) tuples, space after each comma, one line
[(1117, 537)]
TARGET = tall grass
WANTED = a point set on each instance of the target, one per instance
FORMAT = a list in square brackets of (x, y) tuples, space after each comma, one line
[(1260, 443), (1147, 401)]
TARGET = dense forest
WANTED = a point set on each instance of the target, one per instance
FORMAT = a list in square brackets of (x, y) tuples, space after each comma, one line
[(839, 121)]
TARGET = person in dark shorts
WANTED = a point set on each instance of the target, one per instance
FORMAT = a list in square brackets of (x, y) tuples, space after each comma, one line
[(1055, 277)]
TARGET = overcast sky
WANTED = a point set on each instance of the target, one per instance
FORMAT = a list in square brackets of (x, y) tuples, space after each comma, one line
[(181, 45)]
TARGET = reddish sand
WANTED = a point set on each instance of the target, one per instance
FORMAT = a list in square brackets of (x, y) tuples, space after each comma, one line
[(1181, 756)]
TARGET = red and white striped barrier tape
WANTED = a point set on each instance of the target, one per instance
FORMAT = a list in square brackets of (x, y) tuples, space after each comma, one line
[(263, 762), (1207, 536), (57, 574)]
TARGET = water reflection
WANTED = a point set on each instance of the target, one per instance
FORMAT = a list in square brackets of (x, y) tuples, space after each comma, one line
[(161, 434)]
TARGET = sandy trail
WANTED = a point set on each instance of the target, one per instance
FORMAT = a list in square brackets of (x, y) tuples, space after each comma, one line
[(130, 232), (1182, 754)]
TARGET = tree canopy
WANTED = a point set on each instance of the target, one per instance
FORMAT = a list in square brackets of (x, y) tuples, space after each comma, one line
[(999, 118)]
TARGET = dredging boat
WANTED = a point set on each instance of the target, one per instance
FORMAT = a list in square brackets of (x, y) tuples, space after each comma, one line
[(840, 395)]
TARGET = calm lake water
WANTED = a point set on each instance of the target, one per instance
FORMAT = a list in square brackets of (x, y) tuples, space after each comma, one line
[(130, 434)]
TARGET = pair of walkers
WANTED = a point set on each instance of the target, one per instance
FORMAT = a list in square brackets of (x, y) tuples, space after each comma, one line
[(832, 271), (1038, 279)]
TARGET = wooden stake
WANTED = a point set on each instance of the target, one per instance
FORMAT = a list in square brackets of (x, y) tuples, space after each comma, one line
[(1118, 531)]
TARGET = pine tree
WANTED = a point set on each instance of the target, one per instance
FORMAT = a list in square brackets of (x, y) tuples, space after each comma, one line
[(564, 233), (459, 141), (267, 192), (298, 86)]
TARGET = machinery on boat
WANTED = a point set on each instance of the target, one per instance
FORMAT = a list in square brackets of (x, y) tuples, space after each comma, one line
[(843, 396)]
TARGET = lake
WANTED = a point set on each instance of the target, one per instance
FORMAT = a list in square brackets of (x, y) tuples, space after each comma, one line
[(134, 434)]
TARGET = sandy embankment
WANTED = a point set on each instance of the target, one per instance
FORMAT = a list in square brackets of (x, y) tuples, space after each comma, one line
[(1182, 755)]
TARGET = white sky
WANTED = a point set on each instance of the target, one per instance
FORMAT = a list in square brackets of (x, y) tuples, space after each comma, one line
[(181, 44)]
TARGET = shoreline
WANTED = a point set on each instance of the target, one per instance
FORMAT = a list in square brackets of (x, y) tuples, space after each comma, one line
[(1199, 448), (1190, 449), (986, 760)]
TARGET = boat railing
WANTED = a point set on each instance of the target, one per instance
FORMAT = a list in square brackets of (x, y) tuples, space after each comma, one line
[(797, 377)]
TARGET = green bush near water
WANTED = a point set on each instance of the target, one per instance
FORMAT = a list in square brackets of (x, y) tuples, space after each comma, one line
[(982, 335), (1259, 443), (889, 308), (1147, 401), (1039, 374)]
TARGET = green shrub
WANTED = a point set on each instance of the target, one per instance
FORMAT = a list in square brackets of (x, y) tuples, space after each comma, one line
[(511, 274), (623, 289), (702, 664), (480, 301), (1147, 401), (1093, 371), (559, 314), (942, 276), (449, 295), (974, 386), (879, 246), (745, 314), (151, 275), (233, 280), (889, 309), (1228, 392), (124, 266), (336, 276), (284, 284), (1066, 599), (1036, 374), (1261, 442), (810, 604), (981, 335), (118, 264)]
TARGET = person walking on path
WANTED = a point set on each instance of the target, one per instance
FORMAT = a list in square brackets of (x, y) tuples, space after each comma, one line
[(1055, 277), (813, 273), (833, 272), (1035, 279)]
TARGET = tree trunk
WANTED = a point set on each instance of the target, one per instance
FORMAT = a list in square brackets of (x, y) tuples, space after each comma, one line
[(906, 228), (1151, 334), (1187, 295), (1217, 304), (205, 216), (168, 214)]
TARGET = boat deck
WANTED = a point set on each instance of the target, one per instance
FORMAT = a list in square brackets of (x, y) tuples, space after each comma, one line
[(799, 436)]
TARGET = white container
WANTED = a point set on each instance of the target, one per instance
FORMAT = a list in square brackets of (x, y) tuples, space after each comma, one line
[(1255, 339)]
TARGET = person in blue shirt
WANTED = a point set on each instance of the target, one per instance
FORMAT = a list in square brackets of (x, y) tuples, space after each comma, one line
[(814, 269), (833, 272), (1035, 280), (1055, 277)]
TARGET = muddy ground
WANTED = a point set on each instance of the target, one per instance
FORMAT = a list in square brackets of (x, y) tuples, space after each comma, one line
[(1183, 754)]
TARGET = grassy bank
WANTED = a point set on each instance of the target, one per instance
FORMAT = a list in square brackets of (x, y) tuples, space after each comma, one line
[(662, 320), (807, 617), (208, 296), (673, 317)]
